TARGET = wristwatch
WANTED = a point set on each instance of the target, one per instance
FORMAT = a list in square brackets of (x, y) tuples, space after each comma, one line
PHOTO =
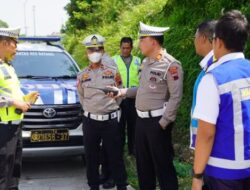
[(197, 176)]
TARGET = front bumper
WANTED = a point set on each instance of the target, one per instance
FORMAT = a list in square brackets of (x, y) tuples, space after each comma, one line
[(73, 147)]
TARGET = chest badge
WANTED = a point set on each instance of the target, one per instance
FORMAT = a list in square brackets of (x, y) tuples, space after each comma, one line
[(86, 77), (107, 74)]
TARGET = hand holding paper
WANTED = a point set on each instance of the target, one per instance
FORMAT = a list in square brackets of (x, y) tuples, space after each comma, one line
[(31, 97)]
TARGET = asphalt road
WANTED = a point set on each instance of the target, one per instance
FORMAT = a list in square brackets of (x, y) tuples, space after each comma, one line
[(54, 174)]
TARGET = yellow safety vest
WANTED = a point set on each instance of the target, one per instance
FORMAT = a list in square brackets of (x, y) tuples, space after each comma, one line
[(129, 76), (10, 87)]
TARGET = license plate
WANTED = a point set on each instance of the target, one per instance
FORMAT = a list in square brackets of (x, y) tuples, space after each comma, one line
[(49, 135)]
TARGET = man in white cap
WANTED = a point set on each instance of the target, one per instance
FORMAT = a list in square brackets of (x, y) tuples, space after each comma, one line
[(101, 114), (12, 106), (157, 99)]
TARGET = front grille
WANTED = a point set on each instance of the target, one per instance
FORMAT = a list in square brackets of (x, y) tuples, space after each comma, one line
[(67, 116)]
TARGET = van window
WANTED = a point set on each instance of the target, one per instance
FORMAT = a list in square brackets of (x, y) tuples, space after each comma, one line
[(44, 64)]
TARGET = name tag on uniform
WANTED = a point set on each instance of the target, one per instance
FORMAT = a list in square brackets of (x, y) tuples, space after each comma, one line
[(155, 73), (86, 80)]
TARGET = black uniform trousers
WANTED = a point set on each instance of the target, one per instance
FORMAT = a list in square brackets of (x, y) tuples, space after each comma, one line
[(220, 184), (9, 135), (154, 155), (128, 121), (105, 168), (109, 133), (14, 181)]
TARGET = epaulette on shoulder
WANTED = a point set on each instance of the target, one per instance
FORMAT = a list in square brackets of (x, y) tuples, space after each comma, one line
[(171, 59), (110, 66)]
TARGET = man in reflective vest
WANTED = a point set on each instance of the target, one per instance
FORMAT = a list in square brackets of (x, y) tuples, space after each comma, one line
[(12, 106), (128, 66), (222, 150), (203, 47)]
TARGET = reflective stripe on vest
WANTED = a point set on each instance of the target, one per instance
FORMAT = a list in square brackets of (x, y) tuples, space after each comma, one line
[(194, 122), (230, 156), (10, 87), (5, 73), (129, 77)]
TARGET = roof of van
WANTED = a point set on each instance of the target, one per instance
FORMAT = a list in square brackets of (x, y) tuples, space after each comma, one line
[(46, 43), (27, 46)]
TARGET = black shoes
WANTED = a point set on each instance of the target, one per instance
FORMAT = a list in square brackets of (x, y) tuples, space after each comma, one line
[(122, 188), (109, 184)]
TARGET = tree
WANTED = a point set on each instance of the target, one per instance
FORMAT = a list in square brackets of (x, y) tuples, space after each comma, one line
[(81, 13), (3, 24)]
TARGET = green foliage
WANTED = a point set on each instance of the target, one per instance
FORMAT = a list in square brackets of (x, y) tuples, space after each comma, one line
[(183, 172), (112, 19), (131, 171), (3, 24)]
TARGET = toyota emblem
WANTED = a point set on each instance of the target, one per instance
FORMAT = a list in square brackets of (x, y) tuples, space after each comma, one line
[(49, 112)]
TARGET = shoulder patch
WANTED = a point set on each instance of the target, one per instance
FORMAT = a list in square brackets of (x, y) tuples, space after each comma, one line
[(85, 76), (174, 72), (118, 79)]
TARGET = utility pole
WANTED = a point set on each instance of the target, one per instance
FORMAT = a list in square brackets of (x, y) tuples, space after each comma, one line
[(34, 19), (25, 21)]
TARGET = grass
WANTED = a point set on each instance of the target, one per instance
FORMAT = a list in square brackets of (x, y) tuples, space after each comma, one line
[(183, 172)]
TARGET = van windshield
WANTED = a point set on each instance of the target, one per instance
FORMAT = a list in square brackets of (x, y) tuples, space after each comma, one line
[(44, 64)]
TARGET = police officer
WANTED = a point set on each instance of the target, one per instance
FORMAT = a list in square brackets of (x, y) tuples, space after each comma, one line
[(204, 48), (157, 99), (128, 66), (222, 147), (101, 113), (12, 105)]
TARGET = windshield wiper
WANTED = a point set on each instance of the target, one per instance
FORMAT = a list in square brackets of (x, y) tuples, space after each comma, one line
[(64, 77), (47, 77), (34, 77)]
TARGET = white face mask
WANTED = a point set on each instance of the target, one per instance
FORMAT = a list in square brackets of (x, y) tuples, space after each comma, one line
[(95, 57)]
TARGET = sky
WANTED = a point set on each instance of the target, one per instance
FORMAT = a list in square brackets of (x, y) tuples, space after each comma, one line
[(49, 15)]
